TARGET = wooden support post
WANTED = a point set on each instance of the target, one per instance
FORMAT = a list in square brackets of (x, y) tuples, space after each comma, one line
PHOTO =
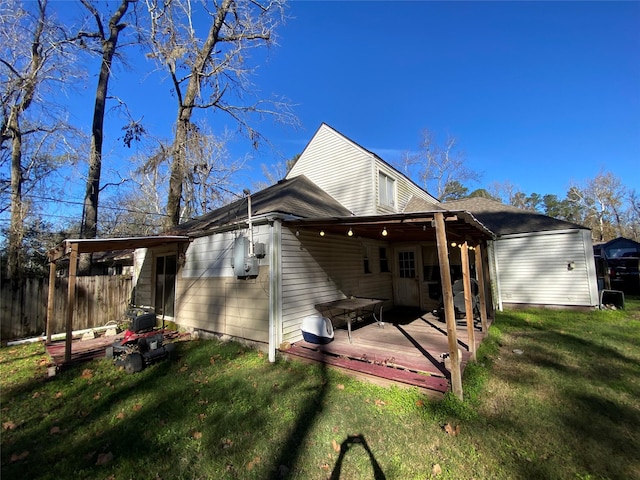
[(449, 309), (71, 300), (468, 303), (481, 285), (51, 298)]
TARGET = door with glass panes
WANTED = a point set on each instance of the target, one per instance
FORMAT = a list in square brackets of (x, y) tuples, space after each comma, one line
[(407, 282), (166, 269)]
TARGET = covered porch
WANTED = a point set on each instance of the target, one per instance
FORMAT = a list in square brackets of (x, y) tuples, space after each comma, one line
[(411, 349)]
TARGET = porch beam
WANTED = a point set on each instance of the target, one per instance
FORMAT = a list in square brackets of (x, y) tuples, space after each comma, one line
[(468, 304), (51, 298), (481, 285), (449, 309), (71, 301)]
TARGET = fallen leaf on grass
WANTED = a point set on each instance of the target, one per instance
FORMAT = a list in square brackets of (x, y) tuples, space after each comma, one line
[(97, 396), (253, 463), (380, 403), (227, 443), (340, 386), (335, 445), (202, 416), (325, 466), (36, 394), (197, 435), (16, 457), (436, 470), (58, 395), (43, 362), (54, 430), (137, 407), (120, 416), (9, 426), (451, 430), (87, 373), (104, 458), (419, 404)]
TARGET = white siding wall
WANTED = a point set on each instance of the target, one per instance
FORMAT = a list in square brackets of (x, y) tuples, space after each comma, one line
[(535, 269), (208, 295), (320, 269), (142, 272), (340, 168), (349, 174)]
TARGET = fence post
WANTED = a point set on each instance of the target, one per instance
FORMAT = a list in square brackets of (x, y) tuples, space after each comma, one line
[(71, 300), (51, 298)]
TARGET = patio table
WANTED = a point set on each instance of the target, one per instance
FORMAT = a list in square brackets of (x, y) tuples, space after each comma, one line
[(353, 308)]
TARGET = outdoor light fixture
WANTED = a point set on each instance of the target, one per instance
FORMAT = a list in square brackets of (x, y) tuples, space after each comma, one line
[(454, 244), (322, 233), (350, 232), (384, 232), (297, 233)]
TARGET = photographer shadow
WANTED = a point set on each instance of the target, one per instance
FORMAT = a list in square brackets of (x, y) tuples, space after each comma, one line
[(349, 442)]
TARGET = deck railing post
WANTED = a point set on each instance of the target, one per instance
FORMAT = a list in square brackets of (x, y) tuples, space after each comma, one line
[(449, 309)]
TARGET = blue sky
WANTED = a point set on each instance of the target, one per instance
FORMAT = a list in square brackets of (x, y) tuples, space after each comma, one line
[(538, 94)]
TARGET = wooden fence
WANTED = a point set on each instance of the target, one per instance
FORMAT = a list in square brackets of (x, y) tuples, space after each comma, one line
[(99, 299)]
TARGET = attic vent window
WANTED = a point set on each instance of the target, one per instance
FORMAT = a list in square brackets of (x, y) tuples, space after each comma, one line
[(386, 191)]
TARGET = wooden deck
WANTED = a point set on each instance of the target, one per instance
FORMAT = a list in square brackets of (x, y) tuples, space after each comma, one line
[(81, 350), (409, 350)]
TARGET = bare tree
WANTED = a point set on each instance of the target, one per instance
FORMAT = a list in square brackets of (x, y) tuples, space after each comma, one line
[(212, 72), (601, 200), (33, 59), (437, 166), (107, 38)]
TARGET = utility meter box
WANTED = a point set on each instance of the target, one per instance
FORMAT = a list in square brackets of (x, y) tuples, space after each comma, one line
[(243, 265)]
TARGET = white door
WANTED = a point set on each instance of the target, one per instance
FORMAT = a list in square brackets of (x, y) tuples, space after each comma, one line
[(407, 281)]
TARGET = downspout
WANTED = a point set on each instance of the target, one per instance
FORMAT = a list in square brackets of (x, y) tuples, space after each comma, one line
[(493, 264), (275, 288)]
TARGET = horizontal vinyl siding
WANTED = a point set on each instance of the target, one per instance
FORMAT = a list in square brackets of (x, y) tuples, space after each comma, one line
[(320, 269), (210, 297), (534, 269), (230, 306), (210, 256), (341, 169), (142, 272)]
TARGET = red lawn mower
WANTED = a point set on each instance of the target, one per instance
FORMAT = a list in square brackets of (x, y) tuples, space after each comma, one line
[(143, 343)]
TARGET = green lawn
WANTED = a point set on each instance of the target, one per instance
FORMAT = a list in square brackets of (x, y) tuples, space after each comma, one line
[(554, 395)]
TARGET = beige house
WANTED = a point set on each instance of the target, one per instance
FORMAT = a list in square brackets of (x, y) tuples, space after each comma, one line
[(335, 227), (342, 223)]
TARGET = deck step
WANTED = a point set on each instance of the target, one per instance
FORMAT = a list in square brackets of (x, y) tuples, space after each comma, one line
[(408, 377)]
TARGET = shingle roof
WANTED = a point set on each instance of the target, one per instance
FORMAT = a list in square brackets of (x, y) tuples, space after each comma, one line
[(504, 219), (298, 196)]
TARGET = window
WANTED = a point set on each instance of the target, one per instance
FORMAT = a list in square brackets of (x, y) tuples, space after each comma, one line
[(386, 191), (406, 264), (365, 255), (384, 262)]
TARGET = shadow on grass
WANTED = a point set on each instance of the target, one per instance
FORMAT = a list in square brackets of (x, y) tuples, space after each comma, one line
[(290, 452), (345, 446), (584, 375)]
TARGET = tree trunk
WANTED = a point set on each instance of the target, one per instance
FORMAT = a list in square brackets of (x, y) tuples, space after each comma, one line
[(89, 226), (185, 110), (16, 229)]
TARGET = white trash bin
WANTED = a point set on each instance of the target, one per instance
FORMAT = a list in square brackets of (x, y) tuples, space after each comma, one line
[(317, 329)]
